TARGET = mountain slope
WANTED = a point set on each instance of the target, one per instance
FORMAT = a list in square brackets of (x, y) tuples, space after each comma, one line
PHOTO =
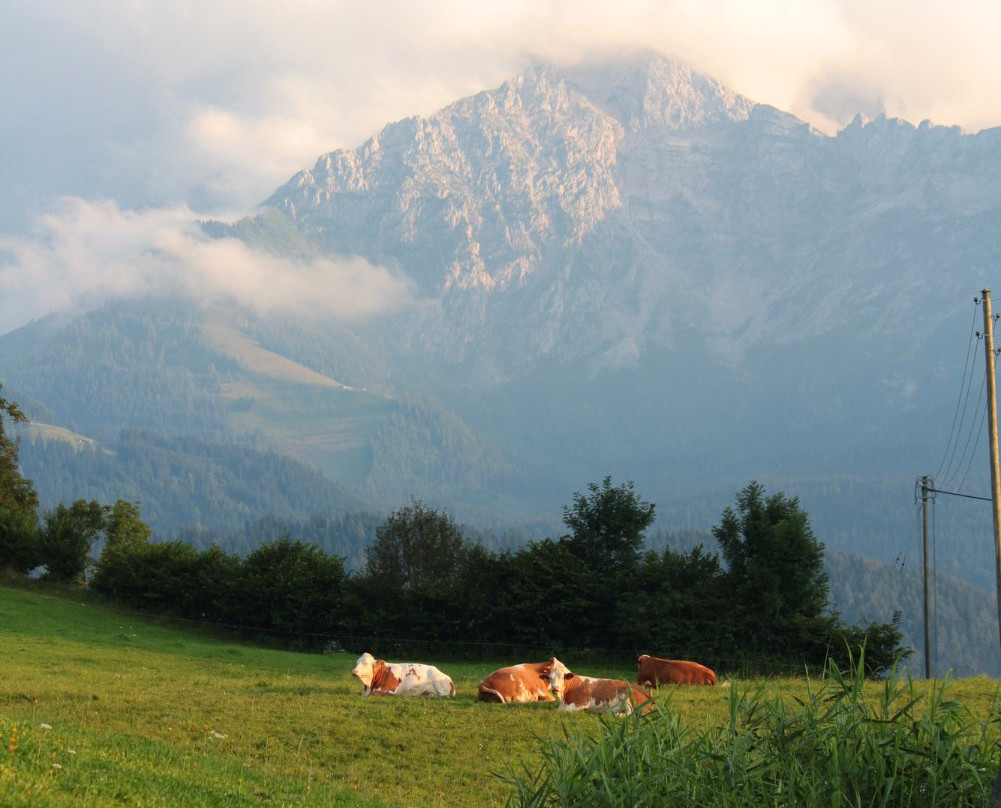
[(685, 262), (727, 218), (620, 268), (227, 376), (624, 267)]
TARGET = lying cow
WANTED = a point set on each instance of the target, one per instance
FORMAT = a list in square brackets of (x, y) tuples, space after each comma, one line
[(586, 693), (516, 684), (400, 678), (654, 672)]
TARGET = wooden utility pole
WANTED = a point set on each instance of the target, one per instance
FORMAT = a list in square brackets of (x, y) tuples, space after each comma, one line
[(992, 426), (994, 801), (924, 558)]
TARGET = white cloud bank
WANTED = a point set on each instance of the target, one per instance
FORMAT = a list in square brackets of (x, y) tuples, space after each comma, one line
[(217, 102), (86, 252), (213, 104)]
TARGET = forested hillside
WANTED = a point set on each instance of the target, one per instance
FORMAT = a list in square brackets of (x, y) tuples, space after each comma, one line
[(226, 376), (120, 367), (183, 483), (963, 617)]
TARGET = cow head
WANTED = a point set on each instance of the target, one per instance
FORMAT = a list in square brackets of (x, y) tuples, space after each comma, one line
[(556, 674), (364, 668)]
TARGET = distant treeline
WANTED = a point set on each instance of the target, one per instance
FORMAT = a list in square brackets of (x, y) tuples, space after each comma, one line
[(206, 494), (221, 490), (964, 616), (425, 587)]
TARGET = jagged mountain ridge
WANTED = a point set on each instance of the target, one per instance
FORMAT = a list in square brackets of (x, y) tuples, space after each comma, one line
[(481, 196), (698, 209)]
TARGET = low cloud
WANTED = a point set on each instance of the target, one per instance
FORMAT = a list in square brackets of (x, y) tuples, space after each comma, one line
[(84, 253)]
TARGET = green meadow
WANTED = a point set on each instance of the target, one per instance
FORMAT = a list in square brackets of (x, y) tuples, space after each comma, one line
[(102, 708)]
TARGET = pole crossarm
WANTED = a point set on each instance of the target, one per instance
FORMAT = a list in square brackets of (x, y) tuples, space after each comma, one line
[(933, 490)]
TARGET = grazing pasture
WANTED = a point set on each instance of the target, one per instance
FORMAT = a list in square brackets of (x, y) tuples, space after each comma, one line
[(99, 708)]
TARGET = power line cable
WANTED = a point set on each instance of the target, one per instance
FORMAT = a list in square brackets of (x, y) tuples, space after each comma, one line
[(963, 394), (952, 470), (978, 430), (957, 494)]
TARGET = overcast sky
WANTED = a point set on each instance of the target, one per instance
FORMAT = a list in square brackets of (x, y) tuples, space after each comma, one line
[(132, 115)]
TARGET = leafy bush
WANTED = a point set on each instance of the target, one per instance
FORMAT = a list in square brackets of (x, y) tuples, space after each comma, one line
[(18, 540), (170, 578), (65, 542), (837, 748), (292, 589)]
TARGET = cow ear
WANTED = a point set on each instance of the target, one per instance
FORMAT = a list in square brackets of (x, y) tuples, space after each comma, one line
[(568, 675)]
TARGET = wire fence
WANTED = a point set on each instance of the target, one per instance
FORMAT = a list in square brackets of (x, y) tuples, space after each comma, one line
[(493, 652)]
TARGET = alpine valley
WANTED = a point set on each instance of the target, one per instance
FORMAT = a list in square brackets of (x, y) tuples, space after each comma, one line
[(619, 268)]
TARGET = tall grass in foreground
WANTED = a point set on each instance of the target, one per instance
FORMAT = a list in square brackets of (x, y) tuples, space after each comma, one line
[(836, 747)]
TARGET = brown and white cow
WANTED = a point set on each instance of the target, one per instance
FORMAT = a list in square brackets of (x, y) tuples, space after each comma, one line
[(383, 678), (587, 693), (654, 671), (516, 684)]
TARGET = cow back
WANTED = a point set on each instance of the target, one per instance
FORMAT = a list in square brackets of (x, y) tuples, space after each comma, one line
[(516, 684), (654, 671), (410, 679), (603, 695)]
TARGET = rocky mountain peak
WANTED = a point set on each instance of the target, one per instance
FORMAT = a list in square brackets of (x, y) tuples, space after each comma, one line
[(652, 90), (476, 193), (626, 205)]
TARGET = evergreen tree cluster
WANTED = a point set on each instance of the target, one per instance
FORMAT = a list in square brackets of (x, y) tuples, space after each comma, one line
[(185, 483)]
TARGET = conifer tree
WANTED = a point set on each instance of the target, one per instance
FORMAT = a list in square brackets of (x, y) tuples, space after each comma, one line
[(18, 500), (775, 566), (16, 493)]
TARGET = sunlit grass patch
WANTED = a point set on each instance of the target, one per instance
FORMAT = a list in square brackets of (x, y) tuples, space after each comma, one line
[(70, 766), (171, 718)]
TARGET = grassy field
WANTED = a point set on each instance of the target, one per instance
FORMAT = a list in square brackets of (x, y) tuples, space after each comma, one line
[(99, 708)]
